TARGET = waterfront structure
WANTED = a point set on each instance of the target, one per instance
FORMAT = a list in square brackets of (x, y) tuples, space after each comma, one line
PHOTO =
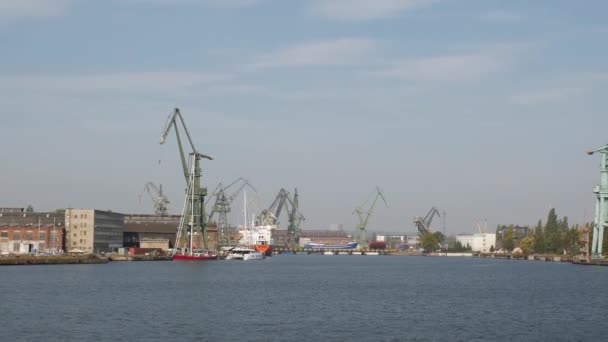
[(330, 237), (93, 231), (600, 222), (393, 240), (139, 228), (24, 232), (481, 242)]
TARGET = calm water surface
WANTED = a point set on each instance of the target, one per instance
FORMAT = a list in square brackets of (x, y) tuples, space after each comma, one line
[(306, 298)]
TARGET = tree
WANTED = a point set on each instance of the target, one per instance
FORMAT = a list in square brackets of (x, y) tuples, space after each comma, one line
[(508, 243), (539, 238), (29, 209), (430, 241), (571, 241), (492, 249), (527, 245), (552, 236)]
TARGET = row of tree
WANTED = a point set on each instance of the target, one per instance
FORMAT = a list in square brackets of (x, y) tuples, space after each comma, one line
[(556, 236)]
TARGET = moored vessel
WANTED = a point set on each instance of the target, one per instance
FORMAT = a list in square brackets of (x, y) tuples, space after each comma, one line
[(244, 253), (321, 246)]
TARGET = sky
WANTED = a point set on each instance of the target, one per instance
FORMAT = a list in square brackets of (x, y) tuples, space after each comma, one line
[(482, 108)]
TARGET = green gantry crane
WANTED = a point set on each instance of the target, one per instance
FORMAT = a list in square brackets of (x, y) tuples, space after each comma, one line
[(423, 225), (270, 216), (195, 201), (221, 206), (364, 215)]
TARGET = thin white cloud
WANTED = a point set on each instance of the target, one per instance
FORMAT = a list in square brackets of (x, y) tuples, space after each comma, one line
[(15, 9), (501, 16), (206, 3), (562, 89), (338, 52), (128, 82), (460, 67), (547, 95), (363, 10)]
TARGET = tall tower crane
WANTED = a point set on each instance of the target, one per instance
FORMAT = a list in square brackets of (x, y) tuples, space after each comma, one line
[(600, 222), (159, 200), (196, 194), (223, 201), (424, 224), (364, 215), (270, 216)]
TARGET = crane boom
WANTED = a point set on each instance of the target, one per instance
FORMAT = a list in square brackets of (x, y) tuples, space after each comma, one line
[(423, 225), (172, 122), (364, 215), (195, 201)]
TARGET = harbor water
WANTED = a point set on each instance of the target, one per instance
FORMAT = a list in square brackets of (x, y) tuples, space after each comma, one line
[(306, 298)]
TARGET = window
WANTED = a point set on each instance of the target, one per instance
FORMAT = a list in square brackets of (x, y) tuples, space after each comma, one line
[(74, 243), (16, 247), (4, 235), (85, 233), (42, 236), (29, 236), (16, 235), (74, 235), (85, 224)]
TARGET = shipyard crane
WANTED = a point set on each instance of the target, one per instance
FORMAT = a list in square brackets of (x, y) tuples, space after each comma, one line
[(270, 216), (159, 200), (196, 194), (424, 224), (600, 221), (223, 201), (364, 215)]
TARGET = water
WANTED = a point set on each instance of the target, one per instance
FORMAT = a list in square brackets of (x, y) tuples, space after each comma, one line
[(306, 298)]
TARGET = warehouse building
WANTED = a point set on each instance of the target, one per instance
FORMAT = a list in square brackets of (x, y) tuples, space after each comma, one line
[(23, 232)]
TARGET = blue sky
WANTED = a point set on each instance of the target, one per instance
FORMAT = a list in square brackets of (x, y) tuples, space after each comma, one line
[(481, 108)]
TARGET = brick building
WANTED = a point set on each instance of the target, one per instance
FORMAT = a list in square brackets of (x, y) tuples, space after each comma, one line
[(24, 232)]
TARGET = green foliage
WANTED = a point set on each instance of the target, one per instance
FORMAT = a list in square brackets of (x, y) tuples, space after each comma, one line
[(508, 243), (527, 245), (431, 242), (457, 247), (492, 249), (571, 241)]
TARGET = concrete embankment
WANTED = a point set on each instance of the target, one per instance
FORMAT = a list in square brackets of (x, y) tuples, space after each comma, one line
[(51, 260), (140, 258)]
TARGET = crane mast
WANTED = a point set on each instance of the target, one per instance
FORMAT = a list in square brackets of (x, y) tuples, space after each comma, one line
[(222, 204), (600, 221), (196, 196), (160, 201), (364, 216), (270, 216)]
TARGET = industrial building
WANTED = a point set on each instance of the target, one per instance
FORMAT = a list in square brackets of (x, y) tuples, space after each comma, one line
[(329, 237), (151, 231), (93, 231), (481, 242), (24, 232), (399, 240)]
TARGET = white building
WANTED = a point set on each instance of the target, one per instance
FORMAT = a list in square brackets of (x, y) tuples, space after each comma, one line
[(478, 242)]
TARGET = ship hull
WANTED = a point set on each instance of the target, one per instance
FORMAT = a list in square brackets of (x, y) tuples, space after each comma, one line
[(266, 250), (180, 257)]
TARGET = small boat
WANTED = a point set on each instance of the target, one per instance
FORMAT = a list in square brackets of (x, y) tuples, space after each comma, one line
[(329, 253), (244, 253)]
